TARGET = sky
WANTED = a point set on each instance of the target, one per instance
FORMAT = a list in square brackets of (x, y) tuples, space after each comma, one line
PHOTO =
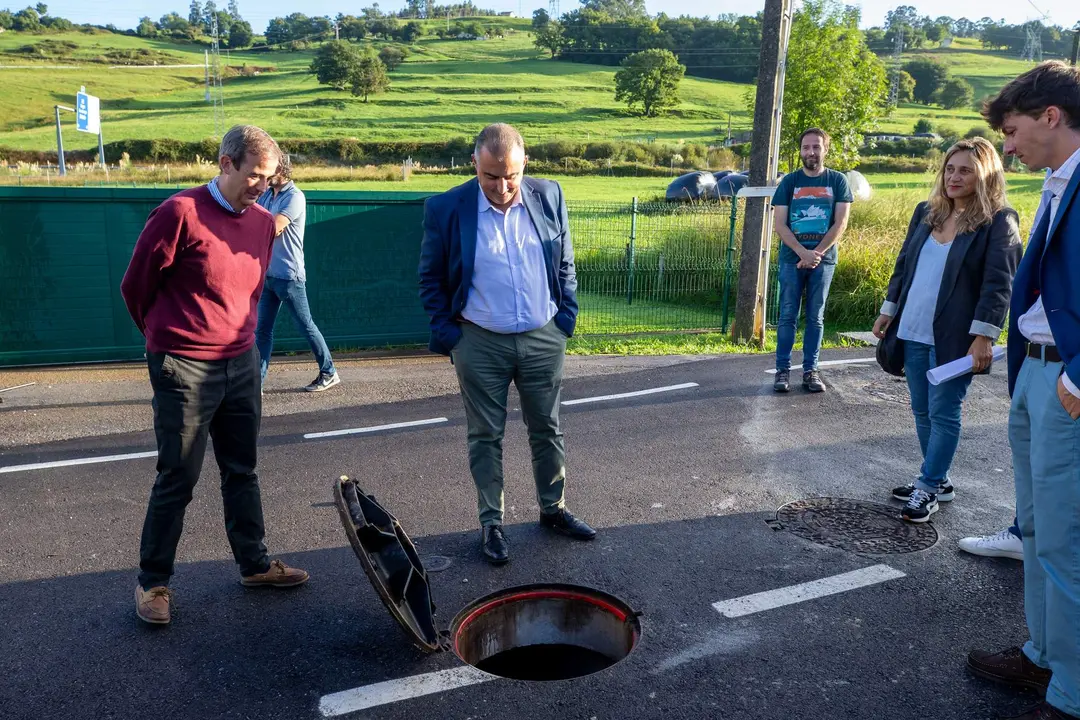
[(126, 13)]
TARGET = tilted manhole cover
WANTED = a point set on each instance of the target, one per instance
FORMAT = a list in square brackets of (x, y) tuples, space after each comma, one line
[(861, 527), (890, 391)]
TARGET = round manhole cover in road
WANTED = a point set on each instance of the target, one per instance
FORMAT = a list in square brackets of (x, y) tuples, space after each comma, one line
[(856, 526)]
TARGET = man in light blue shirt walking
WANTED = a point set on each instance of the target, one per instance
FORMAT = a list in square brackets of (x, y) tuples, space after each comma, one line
[(497, 280), (286, 279)]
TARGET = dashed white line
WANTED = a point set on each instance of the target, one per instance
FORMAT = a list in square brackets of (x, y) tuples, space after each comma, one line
[(636, 393), (374, 428), (392, 691), (77, 461), (770, 599)]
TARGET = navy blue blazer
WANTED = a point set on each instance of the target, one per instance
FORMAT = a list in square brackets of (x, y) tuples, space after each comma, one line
[(1049, 267), (448, 252)]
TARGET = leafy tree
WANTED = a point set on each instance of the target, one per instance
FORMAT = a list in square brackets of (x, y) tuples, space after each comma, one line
[(838, 84), (957, 93), (906, 90), (27, 20), (549, 37), (930, 76), (42, 9), (240, 34), (618, 9), (7, 20), (923, 126), (277, 32), (147, 28), (195, 13), (334, 64), (411, 32), (650, 79), (369, 76), (392, 57), (234, 10)]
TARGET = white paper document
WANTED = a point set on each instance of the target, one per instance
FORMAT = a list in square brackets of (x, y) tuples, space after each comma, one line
[(956, 368)]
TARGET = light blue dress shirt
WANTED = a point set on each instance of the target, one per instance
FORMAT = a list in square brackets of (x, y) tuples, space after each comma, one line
[(216, 192), (510, 291)]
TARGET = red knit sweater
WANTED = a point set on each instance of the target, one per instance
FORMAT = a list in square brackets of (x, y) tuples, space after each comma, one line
[(196, 274)]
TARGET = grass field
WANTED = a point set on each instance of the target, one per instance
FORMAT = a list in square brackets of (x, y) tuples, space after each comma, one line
[(446, 89)]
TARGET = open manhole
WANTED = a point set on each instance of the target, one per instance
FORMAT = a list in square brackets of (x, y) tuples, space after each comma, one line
[(532, 632), (862, 527)]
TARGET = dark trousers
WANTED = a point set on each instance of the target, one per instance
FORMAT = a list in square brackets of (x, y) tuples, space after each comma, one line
[(486, 364), (194, 399)]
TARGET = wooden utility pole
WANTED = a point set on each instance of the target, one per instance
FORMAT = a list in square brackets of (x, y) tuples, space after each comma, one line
[(757, 226)]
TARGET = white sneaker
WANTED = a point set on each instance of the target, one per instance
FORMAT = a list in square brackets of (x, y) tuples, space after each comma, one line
[(1002, 544)]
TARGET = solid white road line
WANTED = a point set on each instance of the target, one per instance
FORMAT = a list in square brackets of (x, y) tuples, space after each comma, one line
[(826, 363), (391, 691), (374, 428), (78, 461), (770, 599), (636, 393)]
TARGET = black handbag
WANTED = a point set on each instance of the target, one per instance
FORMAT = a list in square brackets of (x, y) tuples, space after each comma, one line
[(890, 350)]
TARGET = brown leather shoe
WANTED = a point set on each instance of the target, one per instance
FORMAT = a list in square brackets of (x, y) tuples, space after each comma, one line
[(279, 575), (152, 605), (1009, 667), (1043, 711)]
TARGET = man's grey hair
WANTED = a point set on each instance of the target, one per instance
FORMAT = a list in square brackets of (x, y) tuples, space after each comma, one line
[(244, 140), (499, 140)]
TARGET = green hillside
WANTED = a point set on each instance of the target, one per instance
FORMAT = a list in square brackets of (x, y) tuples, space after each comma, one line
[(986, 71), (445, 90)]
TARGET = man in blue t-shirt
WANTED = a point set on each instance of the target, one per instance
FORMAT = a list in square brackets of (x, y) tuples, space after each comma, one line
[(285, 278), (811, 212)]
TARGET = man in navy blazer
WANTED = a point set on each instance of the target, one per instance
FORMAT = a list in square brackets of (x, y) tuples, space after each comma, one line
[(497, 280), (1039, 114)]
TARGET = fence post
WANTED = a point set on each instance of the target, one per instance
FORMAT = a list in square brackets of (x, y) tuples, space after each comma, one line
[(730, 262), (630, 254)]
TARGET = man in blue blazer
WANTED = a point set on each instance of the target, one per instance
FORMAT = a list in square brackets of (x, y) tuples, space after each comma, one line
[(1039, 114), (497, 280)]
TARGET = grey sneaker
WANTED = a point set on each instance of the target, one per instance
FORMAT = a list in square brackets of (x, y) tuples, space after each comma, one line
[(325, 381), (782, 382), (812, 381)]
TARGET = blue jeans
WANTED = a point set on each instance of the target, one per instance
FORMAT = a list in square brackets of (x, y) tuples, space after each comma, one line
[(794, 284), (293, 293), (937, 414), (1046, 464)]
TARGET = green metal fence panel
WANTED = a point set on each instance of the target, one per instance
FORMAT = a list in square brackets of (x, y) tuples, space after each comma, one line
[(642, 267), (652, 267)]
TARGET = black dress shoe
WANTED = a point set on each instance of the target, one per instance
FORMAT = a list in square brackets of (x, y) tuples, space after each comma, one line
[(566, 524), (493, 543)]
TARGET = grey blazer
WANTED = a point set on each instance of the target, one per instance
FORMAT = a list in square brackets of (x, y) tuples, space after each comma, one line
[(975, 287)]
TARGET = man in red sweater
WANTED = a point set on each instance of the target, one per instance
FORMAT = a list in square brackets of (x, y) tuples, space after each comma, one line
[(193, 288)]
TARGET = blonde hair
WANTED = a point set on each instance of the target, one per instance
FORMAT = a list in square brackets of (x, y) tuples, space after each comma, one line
[(989, 188)]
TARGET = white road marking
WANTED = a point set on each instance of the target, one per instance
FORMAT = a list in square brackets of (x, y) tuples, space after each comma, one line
[(636, 393), (374, 428), (77, 461), (392, 691), (770, 599), (826, 363)]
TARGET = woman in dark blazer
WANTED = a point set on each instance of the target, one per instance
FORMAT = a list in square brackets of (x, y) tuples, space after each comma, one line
[(948, 298)]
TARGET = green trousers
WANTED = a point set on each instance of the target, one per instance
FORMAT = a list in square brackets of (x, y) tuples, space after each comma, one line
[(486, 363)]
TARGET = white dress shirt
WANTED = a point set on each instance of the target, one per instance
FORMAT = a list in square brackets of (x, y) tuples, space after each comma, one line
[(1034, 324)]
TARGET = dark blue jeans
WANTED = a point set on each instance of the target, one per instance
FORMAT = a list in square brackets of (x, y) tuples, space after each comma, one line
[(794, 285), (293, 294), (937, 410)]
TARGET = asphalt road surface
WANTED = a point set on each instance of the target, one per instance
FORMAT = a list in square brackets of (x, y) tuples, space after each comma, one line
[(680, 483)]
